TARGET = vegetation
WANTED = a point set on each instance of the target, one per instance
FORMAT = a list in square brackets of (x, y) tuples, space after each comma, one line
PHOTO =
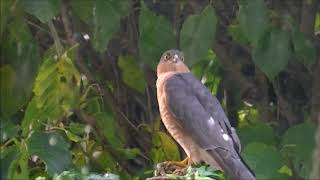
[(78, 95)]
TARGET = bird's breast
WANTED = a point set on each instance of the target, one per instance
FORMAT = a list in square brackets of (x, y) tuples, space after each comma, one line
[(167, 118), (172, 125)]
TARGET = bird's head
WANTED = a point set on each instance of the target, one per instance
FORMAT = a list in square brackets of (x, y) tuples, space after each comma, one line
[(172, 61)]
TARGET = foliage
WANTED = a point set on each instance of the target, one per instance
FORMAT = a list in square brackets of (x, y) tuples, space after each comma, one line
[(197, 34), (156, 36), (201, 172), (107, 21), (77, 88), (74, 175), (299, 148), (131, 73), (254, 12), (49, 8), (52, 149), (274, 46)]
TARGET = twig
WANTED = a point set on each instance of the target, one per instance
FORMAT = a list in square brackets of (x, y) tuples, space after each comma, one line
[(56, 38), (127, 119), (315, 173), (158, 178), (308, 16), (66, 22), (36, 26), (149, 106)]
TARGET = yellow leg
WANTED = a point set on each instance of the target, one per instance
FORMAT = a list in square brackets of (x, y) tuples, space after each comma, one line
[(184, 163)]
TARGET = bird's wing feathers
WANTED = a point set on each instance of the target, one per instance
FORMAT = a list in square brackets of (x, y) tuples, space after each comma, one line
[(211, 104), (200, 113)]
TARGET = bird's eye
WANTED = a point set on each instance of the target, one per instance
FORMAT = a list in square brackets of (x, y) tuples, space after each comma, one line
[(166, 57), (182, 59)]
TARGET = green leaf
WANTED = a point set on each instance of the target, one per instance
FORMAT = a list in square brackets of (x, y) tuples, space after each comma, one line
[(31, 118), (7, 76), (164, 148), (72, 136), (76, 128), (155, 36), (37, 173), (8, 155), (253, 19), (264, 160), (19, 167), (131, 73), (44, 10), (304, 47), (52, 149), (73, 175), (317, 24), (5, 15), (234, 30), (285, 170), (110, 128), (298, 144), (204, 171), (197, 35), (8, 130), (57, 92), (106, 20), (273, 52), (209, 70), (130, 153), (20, 61), (93, 105), (105, 159), (83, 9), (260, 133)]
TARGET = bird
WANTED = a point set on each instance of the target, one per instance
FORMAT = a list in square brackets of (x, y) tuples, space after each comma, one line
[(195, 119)]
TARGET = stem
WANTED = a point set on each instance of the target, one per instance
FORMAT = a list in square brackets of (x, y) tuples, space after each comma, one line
[(56, 38)]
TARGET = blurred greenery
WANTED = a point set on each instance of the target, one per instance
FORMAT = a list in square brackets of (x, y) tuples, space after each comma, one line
[(78, 95), (197, 35)]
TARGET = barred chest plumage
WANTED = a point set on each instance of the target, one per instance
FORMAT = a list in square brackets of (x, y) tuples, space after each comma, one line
[(176, 131)]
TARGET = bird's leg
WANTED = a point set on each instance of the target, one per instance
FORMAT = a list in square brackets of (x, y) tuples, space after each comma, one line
[(183, 169), (175, 167), (182, 164)]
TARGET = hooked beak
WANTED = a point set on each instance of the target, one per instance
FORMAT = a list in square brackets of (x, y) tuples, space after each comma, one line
[(175, 58)]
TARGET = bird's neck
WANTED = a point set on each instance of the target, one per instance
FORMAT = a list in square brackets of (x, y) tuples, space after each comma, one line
[(164, 68)]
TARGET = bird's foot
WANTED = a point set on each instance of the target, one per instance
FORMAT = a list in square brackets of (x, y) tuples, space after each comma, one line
[(173, 167), (180, 164)]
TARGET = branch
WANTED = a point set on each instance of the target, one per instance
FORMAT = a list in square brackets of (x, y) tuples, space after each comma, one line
[(315, 174), (308, 16), (315, 100), (315, 114), (66, 22), (56, 38)]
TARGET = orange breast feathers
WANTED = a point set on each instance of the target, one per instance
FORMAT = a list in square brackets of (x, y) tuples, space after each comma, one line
[(173, 127)]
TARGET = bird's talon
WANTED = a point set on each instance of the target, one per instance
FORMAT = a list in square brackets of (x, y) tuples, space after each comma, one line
[(181, 164), (180, 172)]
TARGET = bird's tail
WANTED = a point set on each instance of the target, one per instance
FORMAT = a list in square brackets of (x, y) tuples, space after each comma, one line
[(234, 167)]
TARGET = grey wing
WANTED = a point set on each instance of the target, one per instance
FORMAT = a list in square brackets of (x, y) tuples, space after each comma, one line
[(205, 129), (211, 104)]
